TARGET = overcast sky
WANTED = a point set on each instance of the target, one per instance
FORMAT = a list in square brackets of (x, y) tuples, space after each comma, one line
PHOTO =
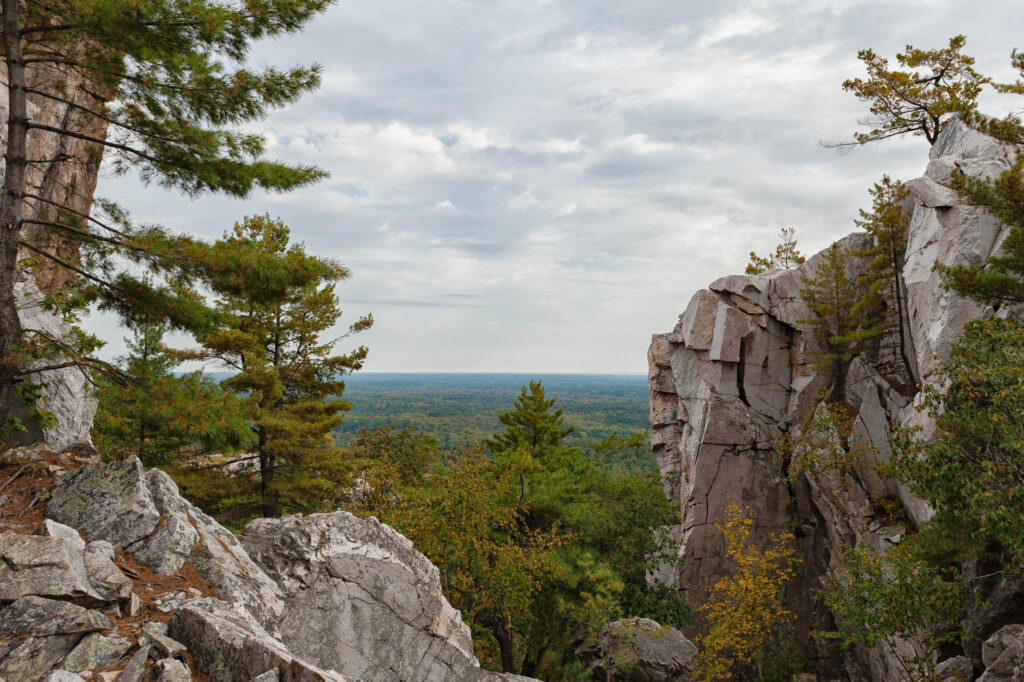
[(538, 186)]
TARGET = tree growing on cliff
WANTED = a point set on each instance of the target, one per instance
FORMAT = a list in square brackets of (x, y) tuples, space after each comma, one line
[(896, 600), (918, 97), (831, 295), (882, 308), (158, 89), (158, 416), (786, 255), (289, 374), (744, 610)]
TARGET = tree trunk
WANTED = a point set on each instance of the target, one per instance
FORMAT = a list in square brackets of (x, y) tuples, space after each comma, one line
[(503, 633), (267, 506), (11, 204)]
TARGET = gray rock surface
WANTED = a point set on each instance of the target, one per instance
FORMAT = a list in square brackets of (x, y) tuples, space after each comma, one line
[(135, 669), (171, 670), (95, 651), (56, 567), (1009, 666), (638, 650), (360, 599), (62, 676), (956, 669), (52, 529), (230, 647), (737, 371), (142, 513), (994, 646), (36, 634)]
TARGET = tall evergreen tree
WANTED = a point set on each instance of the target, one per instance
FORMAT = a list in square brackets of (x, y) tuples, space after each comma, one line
[(291, 375), (831, 295), (159, 417), (882, 308), (166, 80), (531, 424)]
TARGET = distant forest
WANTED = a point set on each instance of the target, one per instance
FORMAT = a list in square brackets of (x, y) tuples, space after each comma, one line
[(454, 407)]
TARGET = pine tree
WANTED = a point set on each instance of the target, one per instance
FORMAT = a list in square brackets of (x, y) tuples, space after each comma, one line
[(160, 417), (157, 88), (831, 295), (918, 98), (882, 308), (1001, 280), (786, 255), (530, 425), (290, 374)]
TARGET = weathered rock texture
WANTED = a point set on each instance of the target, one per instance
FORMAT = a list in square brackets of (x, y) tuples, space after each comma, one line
[(638, 650), (324, 598), (360, 599), (65, 175), (736, 373)]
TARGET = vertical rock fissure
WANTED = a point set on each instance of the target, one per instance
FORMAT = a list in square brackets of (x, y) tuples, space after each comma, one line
[(740, 371)]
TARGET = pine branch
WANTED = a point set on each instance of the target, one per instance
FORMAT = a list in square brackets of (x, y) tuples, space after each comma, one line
[(64, 264), (81, 233), (97, 140), (80, 214)]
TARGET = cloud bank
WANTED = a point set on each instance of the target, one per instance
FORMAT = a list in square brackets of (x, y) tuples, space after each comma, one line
[(537, 186)]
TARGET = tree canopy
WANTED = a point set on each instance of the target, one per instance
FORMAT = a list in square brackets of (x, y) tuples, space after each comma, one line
[(160, 87), (918, 97)]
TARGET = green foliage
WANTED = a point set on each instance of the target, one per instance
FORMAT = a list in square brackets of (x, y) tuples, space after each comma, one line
[(409, 454), (881, 309), (535, 541), (159, 417), (896, 598), (1001, 280), (456, 407), (288, 372), (169, 95), (972, 472), (831, 296), (745, 611), (170, 80), (786, 255), (918, 97), (821, 445)]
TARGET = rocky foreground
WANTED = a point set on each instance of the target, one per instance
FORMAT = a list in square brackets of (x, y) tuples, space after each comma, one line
[(107, 573)]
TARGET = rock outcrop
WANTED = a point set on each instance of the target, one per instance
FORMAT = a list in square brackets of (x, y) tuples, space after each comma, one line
[(638, 650), (737, 372), (360, 599), (127, 580)]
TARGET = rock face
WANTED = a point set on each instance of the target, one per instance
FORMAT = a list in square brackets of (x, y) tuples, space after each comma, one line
[(68, 179), (142, 513), (638, 650), (736, 373), (324, 598), (360, 599)]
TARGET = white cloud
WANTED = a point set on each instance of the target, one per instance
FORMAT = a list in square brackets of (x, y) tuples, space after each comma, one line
[(572, 171)]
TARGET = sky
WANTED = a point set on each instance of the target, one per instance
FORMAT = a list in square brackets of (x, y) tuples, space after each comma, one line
[(540, 185)]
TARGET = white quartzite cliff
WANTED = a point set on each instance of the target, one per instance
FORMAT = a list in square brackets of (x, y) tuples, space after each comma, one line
[(736, 373)]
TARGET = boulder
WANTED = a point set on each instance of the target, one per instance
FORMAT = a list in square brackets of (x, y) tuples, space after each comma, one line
[(360, 599), (135, 669), (171, 670), (62, 676), (956, 669), (52, 529), (999, 642), (96, 651), (142, 513), (56, 567), (1008, 666), (229, 646), (36, 634), (638, 650)]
